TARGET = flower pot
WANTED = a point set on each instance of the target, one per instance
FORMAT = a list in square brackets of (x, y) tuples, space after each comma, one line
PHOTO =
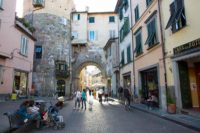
[(171, 108)]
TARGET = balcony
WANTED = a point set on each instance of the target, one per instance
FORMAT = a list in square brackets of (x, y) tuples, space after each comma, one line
[(61, 70), (38, 3)]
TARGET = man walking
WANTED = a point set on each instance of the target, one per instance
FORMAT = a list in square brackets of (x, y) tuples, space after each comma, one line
[(127, 95), (77, 98)]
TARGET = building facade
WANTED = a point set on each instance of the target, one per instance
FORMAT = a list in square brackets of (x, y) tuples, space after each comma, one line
[(148, 55), (123, 8), (111, 50), (182, 48), (16, 52), (91, 31)]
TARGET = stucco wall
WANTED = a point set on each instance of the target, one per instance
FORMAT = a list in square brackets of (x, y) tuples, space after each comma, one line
[(10, 40), (185, 35)]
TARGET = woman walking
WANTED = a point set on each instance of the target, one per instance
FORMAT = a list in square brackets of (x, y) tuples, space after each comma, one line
[(84, 98)]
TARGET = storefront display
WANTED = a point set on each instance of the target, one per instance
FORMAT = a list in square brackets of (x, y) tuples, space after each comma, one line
[(20, 83), (149, 82)]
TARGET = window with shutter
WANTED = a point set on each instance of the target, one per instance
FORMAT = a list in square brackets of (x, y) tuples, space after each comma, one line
[(177, 19), (24, 46), (148, 2), (111, 19), (91, 20), (1, 4), (79, 17), (122, 58), (126, 26), (152, 33), (125, 4), (137, 13), (128, 54), (138, 39), (91, 35)]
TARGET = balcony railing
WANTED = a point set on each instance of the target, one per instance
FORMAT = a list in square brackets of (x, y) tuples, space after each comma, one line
[(38, 3)]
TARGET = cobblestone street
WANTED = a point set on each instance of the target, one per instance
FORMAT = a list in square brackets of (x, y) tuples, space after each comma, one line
[(110, 118)]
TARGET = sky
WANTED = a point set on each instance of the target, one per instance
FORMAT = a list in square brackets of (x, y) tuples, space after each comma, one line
[(95, 5)]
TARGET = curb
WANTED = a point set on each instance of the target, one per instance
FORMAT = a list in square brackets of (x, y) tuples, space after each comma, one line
[(166, 118)]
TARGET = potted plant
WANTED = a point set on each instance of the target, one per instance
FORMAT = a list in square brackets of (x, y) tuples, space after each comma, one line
[(171, 104)]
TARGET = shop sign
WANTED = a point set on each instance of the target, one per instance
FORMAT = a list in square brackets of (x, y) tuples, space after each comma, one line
[(188, 46)]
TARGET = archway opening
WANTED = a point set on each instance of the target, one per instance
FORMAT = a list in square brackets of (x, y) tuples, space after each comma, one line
[(91, 77)]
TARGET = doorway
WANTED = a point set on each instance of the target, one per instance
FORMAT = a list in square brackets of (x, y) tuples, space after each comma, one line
[(197, 71), (61, 88)]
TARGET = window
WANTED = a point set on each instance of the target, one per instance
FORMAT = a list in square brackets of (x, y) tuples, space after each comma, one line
[(110, 51), (138, 48), (91, 20), (136, 13), (24, 46), (120, 12), (112, 33), (121, 34), (38, 52), (125, 4), (125, 29), (128, 54), (79, 17), (122, 58), (93, 35), (111, 18), (76, 17), (177, 19), (148, 2), (1, 4), (152, 34)]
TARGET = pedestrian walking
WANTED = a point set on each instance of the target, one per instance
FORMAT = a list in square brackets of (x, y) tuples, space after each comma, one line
[(84, 98), (91, 98), (106, 95), (77, 99), (120, 91), (127, 96)]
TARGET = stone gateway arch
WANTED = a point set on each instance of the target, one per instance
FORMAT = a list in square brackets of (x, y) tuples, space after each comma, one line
[(83, 60)]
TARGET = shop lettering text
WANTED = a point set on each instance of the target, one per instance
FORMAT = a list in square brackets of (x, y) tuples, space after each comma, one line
[(187, 46)]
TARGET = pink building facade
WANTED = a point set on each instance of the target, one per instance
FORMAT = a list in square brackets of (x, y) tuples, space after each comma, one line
[(148, 54), (16, 52)]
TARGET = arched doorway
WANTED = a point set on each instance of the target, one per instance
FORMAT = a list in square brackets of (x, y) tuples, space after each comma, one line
[(61, 87)]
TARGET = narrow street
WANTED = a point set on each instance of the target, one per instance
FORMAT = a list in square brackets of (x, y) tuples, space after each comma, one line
[(110, 118)]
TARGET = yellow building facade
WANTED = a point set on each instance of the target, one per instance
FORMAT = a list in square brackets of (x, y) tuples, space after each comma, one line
[(182, 51)]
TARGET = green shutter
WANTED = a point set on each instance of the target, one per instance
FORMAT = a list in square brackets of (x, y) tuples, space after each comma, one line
[(128, 54), (138, 48), (78, 16)]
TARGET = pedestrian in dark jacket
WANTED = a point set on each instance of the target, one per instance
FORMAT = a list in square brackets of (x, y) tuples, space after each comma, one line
[(127, 95)]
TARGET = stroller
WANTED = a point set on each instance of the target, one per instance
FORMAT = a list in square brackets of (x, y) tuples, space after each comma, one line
[(53, 119)]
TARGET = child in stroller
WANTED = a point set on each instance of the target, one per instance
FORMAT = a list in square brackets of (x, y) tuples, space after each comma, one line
[(53, 119)]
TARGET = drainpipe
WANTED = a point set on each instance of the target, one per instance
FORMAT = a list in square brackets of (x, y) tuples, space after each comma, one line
[(163, 46), (134, 88)]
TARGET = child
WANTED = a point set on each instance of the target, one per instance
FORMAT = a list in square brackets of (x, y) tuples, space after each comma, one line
[(91, 102)]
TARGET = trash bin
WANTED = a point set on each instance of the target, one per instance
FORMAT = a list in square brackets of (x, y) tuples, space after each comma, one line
[(14, 96)]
